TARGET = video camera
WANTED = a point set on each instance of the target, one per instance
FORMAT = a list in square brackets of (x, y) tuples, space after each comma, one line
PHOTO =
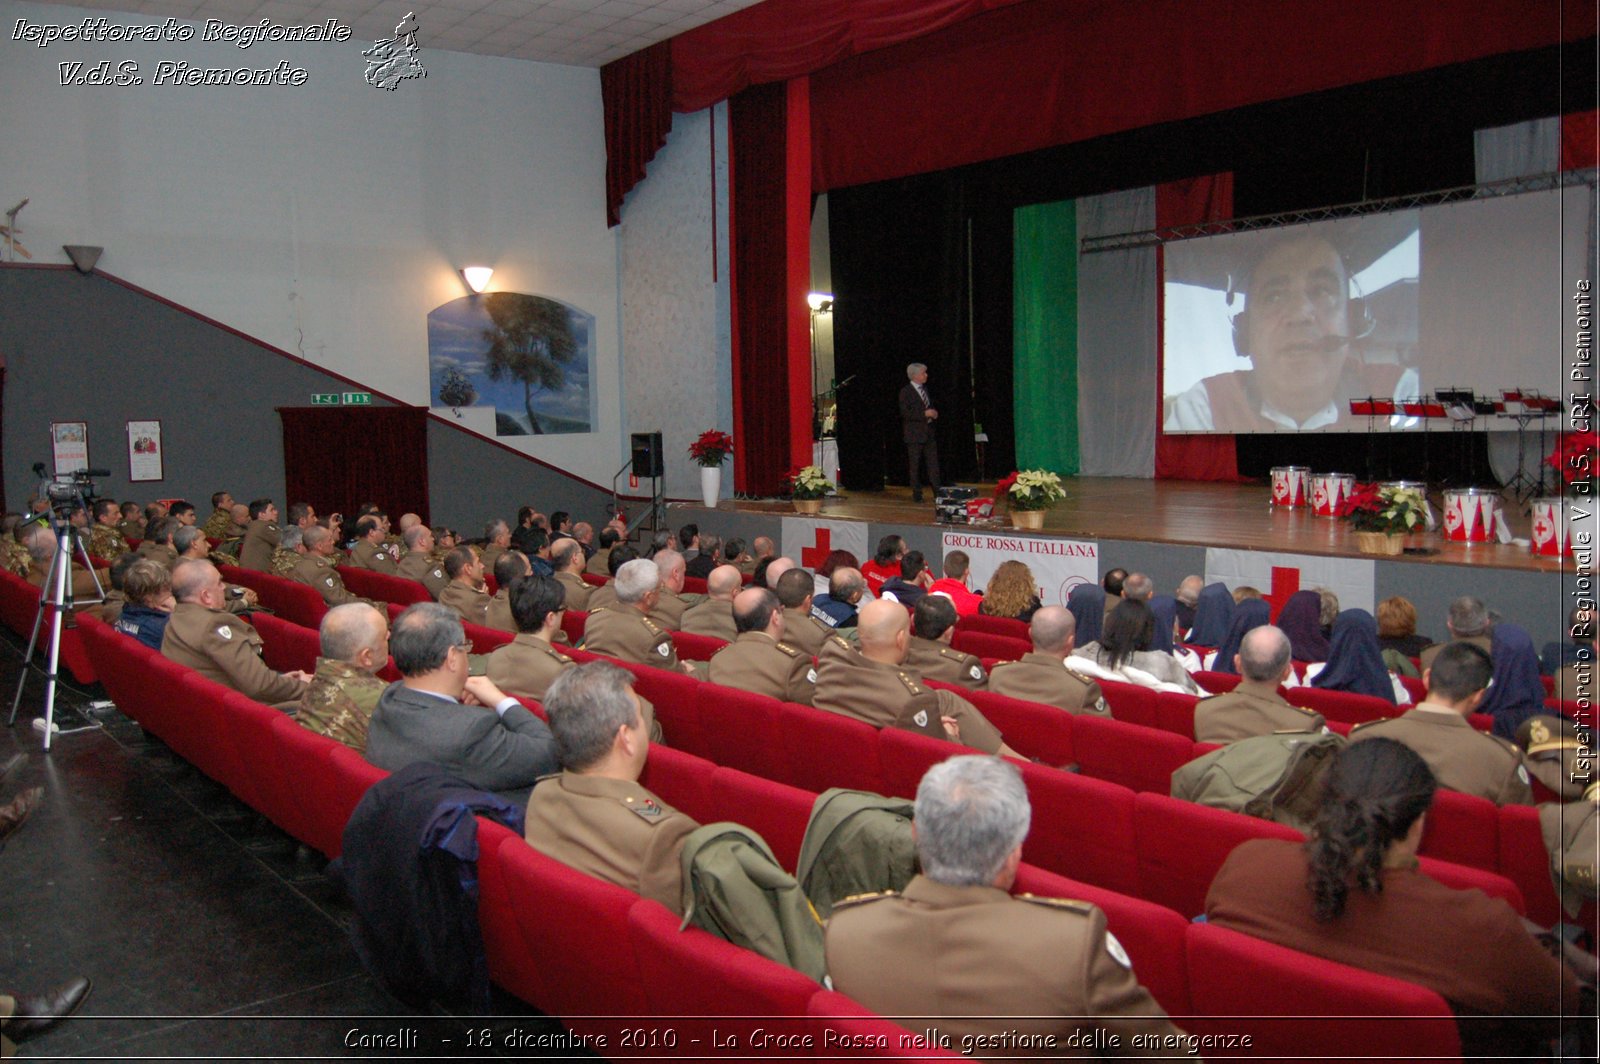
[(66, 490)]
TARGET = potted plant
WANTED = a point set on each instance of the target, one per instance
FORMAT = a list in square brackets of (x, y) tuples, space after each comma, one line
[(1030, 492), (1383, 516), (1574, 460), (709, 452), (808, 486)]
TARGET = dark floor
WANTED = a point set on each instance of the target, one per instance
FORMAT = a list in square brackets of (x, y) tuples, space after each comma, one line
[(209, 933)]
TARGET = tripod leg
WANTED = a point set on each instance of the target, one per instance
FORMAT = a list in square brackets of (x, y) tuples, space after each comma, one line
[(33, 639), (63, 586)]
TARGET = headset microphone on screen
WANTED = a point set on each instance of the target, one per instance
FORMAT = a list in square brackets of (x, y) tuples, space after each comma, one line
[(1359, 321)]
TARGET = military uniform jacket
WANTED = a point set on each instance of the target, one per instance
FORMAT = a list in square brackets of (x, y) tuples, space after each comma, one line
[(498, 615), (1043, 678), (1425, 659), (1570, 835), (218, 524), (316, 571), (83, 582), (1462, 757), (1249, 710), (578, 592), (604, 598), (671, 607), (599, 562), (17, 559), (284, 561), (425, 571), (977, 961), (624, 633), (933, 660), (106, 543), (471, 602), (339, 702), (164, 553), (526, 666), (754, 661), (890, 696), (259, 540), (713, 617), (377, 557), (805, 633), (490, 555), (131, 529), (225, 648), (611, 829)]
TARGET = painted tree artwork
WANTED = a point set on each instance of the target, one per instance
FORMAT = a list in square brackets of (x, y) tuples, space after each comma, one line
[(528, 358)]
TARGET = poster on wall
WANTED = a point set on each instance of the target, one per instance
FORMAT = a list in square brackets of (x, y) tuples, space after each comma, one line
[(69, 443), (1277, 576), (144, 450), (507, 364), (1058, 565)]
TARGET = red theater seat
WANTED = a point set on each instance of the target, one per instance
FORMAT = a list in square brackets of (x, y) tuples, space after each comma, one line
[(1217, 683), (1082, 828), (693, 647), (1139, 758), (823, 749), (286, 646), (289, 599), (1130, 703), (1180, 846), (1030, 728), (383, 587), (1007, 626), (510, 964), (1342, 705), (740, 729), (990, 645), (1464, 829)]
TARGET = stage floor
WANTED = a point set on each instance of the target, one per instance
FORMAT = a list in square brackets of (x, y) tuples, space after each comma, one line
[(1185, 512)]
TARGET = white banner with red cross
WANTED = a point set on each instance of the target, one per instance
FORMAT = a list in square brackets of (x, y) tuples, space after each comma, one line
[(809, 540), (1058, 565), (1278, 576)]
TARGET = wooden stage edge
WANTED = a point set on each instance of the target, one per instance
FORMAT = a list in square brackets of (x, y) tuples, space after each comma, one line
[(1176, 512)]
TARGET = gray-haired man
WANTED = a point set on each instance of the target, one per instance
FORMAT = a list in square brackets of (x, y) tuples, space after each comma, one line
[(917, 416)]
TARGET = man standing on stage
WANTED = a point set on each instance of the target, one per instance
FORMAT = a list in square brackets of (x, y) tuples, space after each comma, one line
[(917, 416)]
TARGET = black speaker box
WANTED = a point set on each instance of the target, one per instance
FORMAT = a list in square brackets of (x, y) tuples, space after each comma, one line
[(647, 454)]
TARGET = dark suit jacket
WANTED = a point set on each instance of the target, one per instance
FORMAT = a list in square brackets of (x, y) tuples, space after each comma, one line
[(913, 419), (488, 751)]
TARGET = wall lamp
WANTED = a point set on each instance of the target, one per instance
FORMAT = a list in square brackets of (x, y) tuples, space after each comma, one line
[(477, 277), (821, 302)]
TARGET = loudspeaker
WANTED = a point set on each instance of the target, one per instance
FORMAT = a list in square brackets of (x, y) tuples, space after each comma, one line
[(647, 454)]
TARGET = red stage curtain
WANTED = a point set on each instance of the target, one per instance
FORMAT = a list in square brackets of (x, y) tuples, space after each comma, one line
[(1579, 147), (1049, 72), (636, 92), (338, 457), (770, 236), (1200, 199)]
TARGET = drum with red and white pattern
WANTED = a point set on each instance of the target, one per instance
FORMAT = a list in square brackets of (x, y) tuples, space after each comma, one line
[(1328, 490), (1551, 536), (1291, 486), (1469, 514)]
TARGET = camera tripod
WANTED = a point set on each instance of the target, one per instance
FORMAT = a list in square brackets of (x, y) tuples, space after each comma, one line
[(56, 597)]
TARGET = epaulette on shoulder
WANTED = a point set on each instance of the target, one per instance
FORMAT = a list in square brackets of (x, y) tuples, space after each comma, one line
[(655, 629), (841, 640), (1075, 674), (862, 899), (793, 652), (953, 654), (910, 682), (1369, 723), (1082, 908), (554, 653)]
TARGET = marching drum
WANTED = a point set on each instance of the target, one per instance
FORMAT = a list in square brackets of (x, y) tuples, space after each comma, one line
[(1291, 486), (1469, 514), (1550, 532), (1328, 490)]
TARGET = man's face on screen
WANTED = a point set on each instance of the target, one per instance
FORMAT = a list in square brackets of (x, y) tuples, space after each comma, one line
[(1299, 325)]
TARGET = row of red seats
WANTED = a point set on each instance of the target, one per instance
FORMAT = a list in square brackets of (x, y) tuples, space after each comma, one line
[(19, 606), (580, 966)]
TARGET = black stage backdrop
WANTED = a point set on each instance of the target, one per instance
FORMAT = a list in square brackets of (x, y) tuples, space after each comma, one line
[(900, 248)]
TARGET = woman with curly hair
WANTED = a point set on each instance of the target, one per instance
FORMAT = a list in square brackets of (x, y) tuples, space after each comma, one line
[(1352, 893), (1012, 592)]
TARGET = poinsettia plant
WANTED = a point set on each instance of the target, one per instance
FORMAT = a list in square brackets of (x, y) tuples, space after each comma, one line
[(1574, 458), (1390, 510), (1032, 489), (808, 482), (711, 449)]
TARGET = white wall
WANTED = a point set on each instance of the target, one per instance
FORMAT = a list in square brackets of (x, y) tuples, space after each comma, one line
[(675, 298), (327, 218)]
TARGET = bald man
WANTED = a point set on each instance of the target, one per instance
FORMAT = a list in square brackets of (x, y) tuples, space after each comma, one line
[(872, 685), (758, 659), (1043, 675), (345, 688), (714, 615), (1255, 707), (672, 603), (568, 561), (218, 645)]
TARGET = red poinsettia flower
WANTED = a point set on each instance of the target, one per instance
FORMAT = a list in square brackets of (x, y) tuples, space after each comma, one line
[(712, 448), (1574, 457), (1003, 489)]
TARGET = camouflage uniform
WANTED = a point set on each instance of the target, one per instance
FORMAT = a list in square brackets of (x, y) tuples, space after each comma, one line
[(339, 702), (16, 557), (283, 562), (107, 544), (218, 523)]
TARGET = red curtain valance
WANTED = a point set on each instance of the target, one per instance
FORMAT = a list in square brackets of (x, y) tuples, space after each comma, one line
[(636, 93)]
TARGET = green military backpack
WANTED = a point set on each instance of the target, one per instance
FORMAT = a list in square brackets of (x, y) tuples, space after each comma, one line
[(856, 842), (735, 889), (1274, 777)]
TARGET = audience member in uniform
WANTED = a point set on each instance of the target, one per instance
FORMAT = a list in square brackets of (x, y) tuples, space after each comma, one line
[(885, 564), (931, 655), (1213, 614), (956, 953), (1467, 621), (1517, 692), (595, 816), (607, 538), (956, 584), (672, 603), (1355, 664), (567, 559), (1012, 592), (1575, 680), (115, 594), (760, 659), (528, 664), (316, 568), (261, 535), (1301, 621), (496, 540), (713, 616), (800, 628), (466, 593), (512, 565), (1046, 675), (148, 602), (736, 553), (1247, 615), (345, 688), (771, 570), (219, 646), (439, 713), (912, 581), (1087, 604), (1352, 893), (627, 631), (371, 550), (1125, 651), (1254, 707), (1462, 757)]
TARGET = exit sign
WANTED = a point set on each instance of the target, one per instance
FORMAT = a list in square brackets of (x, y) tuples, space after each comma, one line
[(357, 398), (325, 399)]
